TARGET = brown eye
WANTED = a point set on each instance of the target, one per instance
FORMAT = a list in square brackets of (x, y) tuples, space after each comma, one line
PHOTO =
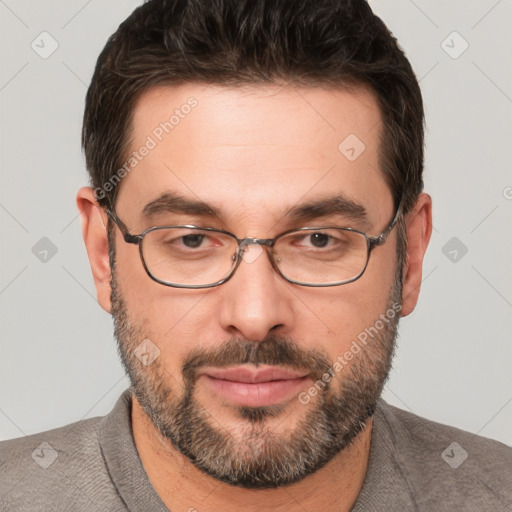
[(319, 240), (192, 241)]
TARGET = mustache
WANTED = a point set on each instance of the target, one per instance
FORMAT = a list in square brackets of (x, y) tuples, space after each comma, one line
[(273, 351)]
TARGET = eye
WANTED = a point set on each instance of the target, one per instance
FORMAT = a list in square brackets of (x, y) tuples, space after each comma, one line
[(319, 240), (179, 239), (192, 241), (316, 240)]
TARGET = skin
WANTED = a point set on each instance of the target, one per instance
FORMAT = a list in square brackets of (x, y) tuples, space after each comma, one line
[(253, 153)]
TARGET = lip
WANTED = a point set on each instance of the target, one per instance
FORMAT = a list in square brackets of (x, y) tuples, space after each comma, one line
[(254, 387), (253, 375)]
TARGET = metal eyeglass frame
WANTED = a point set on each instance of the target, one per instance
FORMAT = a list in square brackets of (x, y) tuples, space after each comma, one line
[(371, 243)]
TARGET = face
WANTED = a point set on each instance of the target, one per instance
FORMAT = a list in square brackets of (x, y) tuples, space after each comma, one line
[(242, 160)]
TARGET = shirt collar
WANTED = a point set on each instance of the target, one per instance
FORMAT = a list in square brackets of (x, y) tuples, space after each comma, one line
[(384, 482)]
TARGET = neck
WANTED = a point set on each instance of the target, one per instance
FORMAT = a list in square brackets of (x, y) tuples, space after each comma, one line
[(182, 486)]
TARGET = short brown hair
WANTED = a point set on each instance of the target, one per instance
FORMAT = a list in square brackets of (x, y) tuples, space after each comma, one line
[(233, 42)]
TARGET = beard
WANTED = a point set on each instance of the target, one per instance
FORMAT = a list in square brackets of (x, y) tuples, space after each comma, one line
[(259, 457)]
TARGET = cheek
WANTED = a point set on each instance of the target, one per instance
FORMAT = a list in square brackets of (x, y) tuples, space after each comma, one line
[(145, 299), (380, 275), (173, 319), (342, 313)]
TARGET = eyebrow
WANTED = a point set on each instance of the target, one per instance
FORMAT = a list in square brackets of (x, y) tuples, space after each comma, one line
[(174, 203), (338, 204), (332, 205)]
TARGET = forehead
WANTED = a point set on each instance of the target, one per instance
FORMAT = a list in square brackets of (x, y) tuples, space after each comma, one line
[(254, 148)]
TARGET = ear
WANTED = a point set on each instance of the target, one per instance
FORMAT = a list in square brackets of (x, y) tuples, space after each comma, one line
[(94, 231), (419, 229)]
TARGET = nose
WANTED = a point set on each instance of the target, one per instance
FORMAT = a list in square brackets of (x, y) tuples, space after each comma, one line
[(256, 300)]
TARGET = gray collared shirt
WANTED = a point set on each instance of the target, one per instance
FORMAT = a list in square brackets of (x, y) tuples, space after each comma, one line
[(415, 464)]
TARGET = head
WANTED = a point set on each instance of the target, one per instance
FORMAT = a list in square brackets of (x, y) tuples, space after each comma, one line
[(256, 118)]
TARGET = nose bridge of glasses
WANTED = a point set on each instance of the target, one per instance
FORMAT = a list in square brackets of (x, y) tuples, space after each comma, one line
[(243, 244)]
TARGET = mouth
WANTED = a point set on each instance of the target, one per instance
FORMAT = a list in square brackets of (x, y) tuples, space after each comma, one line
[(254, 387)]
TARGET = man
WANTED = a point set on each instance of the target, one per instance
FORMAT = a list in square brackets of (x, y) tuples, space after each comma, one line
[(256, 226)]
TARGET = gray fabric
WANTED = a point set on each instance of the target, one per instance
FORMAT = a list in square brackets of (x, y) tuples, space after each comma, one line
[(407, 471), (97, 468)]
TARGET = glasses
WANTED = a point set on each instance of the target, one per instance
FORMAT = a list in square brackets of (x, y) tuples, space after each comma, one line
[(196, 257)]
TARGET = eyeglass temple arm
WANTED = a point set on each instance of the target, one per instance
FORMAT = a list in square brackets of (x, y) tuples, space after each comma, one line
[(129, 238), (379, 240)]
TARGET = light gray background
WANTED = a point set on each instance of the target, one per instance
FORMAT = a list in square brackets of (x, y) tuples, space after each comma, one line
[(58, 360)]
